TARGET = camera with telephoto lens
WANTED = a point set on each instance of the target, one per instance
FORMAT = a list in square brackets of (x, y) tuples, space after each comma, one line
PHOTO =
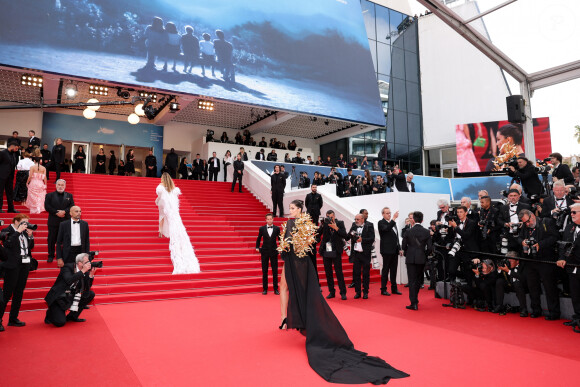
[(513, 162), (535, 202), (442, 229), (327, 220), (452, 215), (543, 167), (529, 247), (97, 264), (560, 217), (477, 266), (486, 225), (504, 262), (565, 250), (504, 241), (455, 246), (30, 226), (514, 228), (574, 194)]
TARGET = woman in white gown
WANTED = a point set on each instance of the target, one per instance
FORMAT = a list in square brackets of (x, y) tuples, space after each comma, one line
[(171, 226)]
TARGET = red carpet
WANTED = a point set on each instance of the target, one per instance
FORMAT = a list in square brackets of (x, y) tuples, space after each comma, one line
[(234, 341)]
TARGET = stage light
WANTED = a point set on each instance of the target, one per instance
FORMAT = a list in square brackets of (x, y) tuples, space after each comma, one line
[(89, 114), (150, 112), (174, 106), (98, 90), (146, 94), (139, 110), (123, 93), (326, 122), (71, 91), (205, 105), (133, 119), (31, 80), (93, 100)]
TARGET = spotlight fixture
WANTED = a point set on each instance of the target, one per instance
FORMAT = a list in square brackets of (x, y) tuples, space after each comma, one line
[(133, 119), (205, 105), (94, 107), (71, 90), (326, 122), (146, 94), (150, 112), (31, 80), (123, 93), (98, 90), (174, 106), (89, 114), (313, 119), (139, 110)]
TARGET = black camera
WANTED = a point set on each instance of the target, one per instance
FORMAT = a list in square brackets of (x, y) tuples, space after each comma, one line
[(565, 250), (30, 226), (452, 215), (529, 246), (97, 264), (327, 220), (477, 266), (486, 226), (456, 246), (504, 241), (543, 167), (560, 217), (513, 162), (504, 262), (3, 236)]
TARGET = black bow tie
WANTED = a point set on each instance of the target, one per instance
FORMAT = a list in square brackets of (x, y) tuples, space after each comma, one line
[(77, 221), (270, 226), (513, 205)]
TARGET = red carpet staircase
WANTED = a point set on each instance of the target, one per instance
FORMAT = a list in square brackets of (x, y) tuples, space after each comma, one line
[(123, 220)]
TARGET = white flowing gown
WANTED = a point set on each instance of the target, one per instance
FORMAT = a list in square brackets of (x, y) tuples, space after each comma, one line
[(182, 254)]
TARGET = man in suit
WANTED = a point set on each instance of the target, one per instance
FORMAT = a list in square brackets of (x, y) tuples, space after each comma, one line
[(471, 214), (362, 237), (73, 238), (32, 141), (399, 179), (7, 165), (261, 156), (416, 244), (57, 158), (313, 203), (17, 248), (278, 184), (213, 166), (487, 215), (71, 290), (331, 248), (269, 233), (466, 230), (263, 143), (197, 168), (545, 234), (572, 234), (298, 159), (390, 248), (238, 172), (410, 184), (171, 162), (58, 205), (46, 156), (272, 156), (561, 171), (508, 215), (554, 205), (15, 137), (150, 164)]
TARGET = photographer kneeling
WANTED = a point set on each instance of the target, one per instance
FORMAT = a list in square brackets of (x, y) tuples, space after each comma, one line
[(71, 290), (510, 280), (485, 277)]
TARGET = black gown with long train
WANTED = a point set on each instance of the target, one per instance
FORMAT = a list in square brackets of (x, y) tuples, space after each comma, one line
[(330, 352)]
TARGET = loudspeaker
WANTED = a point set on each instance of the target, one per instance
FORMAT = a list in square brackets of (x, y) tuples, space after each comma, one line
[(515, 108)]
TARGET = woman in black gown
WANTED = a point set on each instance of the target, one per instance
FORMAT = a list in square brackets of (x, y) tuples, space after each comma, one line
[(112, 162), (183, 169), (80, 157), (121, 168), (130, 163), (101, 162), (330, 352)]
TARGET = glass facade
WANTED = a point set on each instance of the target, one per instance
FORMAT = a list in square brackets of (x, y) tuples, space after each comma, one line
[(393, 41)]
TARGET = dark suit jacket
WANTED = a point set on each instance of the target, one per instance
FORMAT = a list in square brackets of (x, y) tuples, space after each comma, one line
[(562, 172), (260, 156), (269, 244), (272, 157), (416, 243), (400, 182), (529, 179), (33, 141), (172, 160), (12, 247), (412, 186), (313, 203), (389, 238), (575, 257), (210, 164), (546, 235), (58, 154), (63, 241), (550, 204), (468, 235), (334, 237), (53, 204), (198, 165), (298, 160), (7, 164), (238, 166), (245, 157), (68, 279), (278, 182), (368, 238), (504, 212)]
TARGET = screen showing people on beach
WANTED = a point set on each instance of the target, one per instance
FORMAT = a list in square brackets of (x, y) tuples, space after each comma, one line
[(490, 146), (293, 55)]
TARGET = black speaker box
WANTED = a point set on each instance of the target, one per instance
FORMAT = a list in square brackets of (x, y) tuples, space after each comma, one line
[(515, 108)]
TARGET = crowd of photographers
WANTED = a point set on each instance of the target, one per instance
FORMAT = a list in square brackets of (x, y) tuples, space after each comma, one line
[(524, 244)]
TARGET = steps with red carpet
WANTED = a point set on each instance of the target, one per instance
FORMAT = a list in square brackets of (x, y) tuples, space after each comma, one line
[(123, 221)]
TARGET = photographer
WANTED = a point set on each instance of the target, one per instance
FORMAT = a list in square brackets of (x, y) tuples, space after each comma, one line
[(331, 247), (304, 181), (561, 171), (379, 186), (528, 176), (489, 226), (570, 255), (484, 283), (471, 214), (71, 290), (399, 180), (558, 206), (538, 238), (18, 246), (444, 234), (466, 239), (508, 218), (510, 279), (362, 237)]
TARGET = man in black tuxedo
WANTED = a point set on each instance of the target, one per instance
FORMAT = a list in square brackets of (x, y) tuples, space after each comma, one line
[(58, 205), (151, 165), (572, 234), (362, 237), (553, 205), (272, 156), (238, 172), (57, 158), (400, 180), (390, 248), (278, 184), (471, 214), (171, 162), (213, 166), (7, 165), (331, 248), (508, 215), (15, 137), (466, 230), (261, 156), (416, 244), (410, 184), (488, 219), (561, 171), (32, 141), (269, 233), (17, 250), (313, 203), (73, 238), (46, 155), (71, 290), (197, 168)]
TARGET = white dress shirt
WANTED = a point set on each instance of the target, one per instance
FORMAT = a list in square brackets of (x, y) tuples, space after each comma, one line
[(75, 233)]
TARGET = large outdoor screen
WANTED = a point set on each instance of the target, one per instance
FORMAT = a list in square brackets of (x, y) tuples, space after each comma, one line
[(484, 146), (295, 55)]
